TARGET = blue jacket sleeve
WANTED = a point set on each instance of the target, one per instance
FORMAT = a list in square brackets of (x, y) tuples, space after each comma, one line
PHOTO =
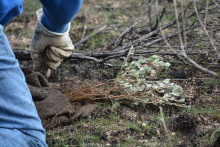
[(58, 13), (9, 9)]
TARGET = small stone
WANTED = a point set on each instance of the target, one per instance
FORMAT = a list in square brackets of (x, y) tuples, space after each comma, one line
[(144, 124), (153, 73), (158, 132), (173, 133)]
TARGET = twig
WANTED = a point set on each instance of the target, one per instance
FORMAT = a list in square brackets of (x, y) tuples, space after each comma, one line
[(216, 3), (123, 34), (83, 57), (182, 46), (112, 11), (149, 13), (206, 32), (164, 38), (94, 33), (206, 13), (135, 24), (163, 122), (215, 132), (184, 25), (202, 68), (85, 27), (178, 27), (128, 45)]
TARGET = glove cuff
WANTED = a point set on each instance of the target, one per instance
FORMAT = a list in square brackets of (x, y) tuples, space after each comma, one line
[(41, 28)]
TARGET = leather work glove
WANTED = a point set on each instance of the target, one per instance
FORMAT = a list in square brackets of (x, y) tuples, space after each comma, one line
[(49, 48)]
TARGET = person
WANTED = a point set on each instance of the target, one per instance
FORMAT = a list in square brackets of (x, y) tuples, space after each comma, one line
[(20, 124)]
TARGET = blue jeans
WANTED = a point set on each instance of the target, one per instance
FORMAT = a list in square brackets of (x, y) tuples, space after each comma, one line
[(20, 125)]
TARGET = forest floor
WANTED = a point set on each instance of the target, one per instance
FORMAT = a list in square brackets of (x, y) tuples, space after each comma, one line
[(122, 124)]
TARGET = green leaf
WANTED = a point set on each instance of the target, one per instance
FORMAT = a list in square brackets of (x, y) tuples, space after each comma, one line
[(135, 73), (156, 104), (166, 81), (135, 64), (149, 92), (146, 100), (154, 58), (146, 68), (162, 85), (127, 84), (142, 60), (142, 81), (180, 101), (165, 95), (143, 104), (140, 88), (155, 86), (166, 65), (136, 103), (149, 85), (161, 91), (177, 90), (117, 104)]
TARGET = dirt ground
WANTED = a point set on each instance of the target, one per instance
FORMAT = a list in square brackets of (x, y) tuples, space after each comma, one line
[(111, 123)]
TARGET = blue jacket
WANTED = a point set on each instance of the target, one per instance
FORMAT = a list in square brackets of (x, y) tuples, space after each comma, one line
[(9, 9), (57, 13), (20, 125)]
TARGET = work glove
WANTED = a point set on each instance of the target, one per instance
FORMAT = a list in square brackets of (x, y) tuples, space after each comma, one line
[(49, 48)]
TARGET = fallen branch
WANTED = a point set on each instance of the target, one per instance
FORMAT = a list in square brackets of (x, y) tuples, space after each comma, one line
[(102, 56)]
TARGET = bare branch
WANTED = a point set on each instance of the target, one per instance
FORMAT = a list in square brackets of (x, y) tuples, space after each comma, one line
[(206, 32), (94, 33)]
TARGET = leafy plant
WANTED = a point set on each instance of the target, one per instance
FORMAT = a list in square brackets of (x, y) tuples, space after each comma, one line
[(139, 81)]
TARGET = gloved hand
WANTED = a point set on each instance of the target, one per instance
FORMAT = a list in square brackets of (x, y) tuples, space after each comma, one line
[(49, 48)]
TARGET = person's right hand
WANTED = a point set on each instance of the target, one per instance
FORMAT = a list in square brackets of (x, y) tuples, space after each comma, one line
[(49, 48)]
